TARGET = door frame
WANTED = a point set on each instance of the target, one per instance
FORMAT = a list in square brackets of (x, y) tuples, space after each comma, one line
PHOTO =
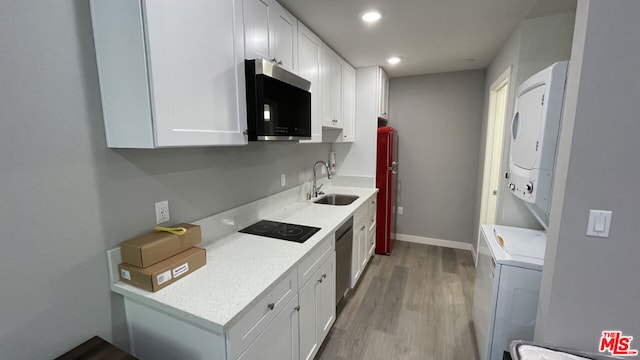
[(494, 145)]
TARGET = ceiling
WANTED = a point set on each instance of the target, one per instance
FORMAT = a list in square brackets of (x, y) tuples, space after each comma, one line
[(431, 36)]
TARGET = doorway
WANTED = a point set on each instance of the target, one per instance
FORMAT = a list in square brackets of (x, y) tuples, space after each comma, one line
[(499, 93)]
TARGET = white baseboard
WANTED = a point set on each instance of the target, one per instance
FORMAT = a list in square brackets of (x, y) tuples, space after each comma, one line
[(435, 242)]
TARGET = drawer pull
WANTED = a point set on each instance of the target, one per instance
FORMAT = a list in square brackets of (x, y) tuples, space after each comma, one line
[(271, 306)]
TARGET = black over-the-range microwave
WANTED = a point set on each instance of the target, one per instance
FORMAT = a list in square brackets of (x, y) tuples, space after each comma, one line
[(278, 103)]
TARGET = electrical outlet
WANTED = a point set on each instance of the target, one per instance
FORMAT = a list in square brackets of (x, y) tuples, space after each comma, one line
[(162, 212), (283, 180), (400, 209)]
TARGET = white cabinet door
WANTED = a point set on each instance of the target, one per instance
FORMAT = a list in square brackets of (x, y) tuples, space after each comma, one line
[(280, 339), (256, 29), (336, 91), (348, 103), (196, 81), (325, 84), (284, 37), (327, 298), (309, 52), (331, 88), (317, 308), (359, 237), (163, 80), (270, 32), (383, 95)]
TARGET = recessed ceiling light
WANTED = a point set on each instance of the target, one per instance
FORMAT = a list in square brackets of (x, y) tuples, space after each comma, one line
[(394, 60), (371, 16)]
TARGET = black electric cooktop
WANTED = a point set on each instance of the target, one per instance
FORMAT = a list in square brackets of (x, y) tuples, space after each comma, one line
[(282, 231)]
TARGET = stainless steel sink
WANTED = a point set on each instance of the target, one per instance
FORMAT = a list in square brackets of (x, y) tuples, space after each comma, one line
[(336, 199)]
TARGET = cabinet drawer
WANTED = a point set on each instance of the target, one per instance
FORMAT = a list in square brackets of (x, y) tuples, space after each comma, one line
[(260, 315), (313, 261)]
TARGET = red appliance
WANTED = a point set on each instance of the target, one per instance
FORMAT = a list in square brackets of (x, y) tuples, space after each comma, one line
[(386, 176)]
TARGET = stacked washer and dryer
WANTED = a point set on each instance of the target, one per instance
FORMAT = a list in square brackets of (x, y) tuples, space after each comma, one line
[(510, 260)]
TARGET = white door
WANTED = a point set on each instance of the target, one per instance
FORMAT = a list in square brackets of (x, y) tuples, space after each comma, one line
[(356, 258), (348, 103), (256, 29), (280, 339), (196, 58), (309, 318), (493, 149), (326, 309), (383, 101), (309, 52), (284, 37), (325, 86), (336, 91)]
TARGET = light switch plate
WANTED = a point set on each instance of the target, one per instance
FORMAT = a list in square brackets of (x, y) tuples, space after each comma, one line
[(599, 223)]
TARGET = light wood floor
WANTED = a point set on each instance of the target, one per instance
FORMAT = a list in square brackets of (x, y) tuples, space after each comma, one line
[(414, 304)]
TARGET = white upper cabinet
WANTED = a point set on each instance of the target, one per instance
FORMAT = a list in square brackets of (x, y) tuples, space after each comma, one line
[(348, 103), (331, 79), (271, 33), (309, 51), (383, 95), (173, 77)]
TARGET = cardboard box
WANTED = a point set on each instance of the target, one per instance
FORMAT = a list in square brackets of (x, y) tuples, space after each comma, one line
[(160, 275), (154, 247)]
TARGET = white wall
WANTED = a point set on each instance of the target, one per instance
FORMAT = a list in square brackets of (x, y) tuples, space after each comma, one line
[(65, 198), (591, 284), (439, 118)]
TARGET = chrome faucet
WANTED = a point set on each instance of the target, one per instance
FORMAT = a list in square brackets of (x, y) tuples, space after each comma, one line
[(316, 189)]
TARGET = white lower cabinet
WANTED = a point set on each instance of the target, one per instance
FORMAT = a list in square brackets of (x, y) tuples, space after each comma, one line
[(261, 316), (280, 339), (289, 322), (317, 308), (364, 239)]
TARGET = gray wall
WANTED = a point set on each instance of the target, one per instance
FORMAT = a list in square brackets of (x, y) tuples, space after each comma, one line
[(535, 44), (591, 284), (439, 119), (66, 198)]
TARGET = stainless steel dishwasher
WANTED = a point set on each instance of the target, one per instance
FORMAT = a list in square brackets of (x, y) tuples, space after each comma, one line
[(344, 242)]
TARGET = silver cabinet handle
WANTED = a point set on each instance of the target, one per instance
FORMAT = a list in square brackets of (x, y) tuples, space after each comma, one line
[(297, 308), (320, 280), (274, 60), (279, 62), (324, 276), (362, 228), (270, 306)]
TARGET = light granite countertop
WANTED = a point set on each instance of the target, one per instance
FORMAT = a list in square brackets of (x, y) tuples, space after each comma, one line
[(241, 267)]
